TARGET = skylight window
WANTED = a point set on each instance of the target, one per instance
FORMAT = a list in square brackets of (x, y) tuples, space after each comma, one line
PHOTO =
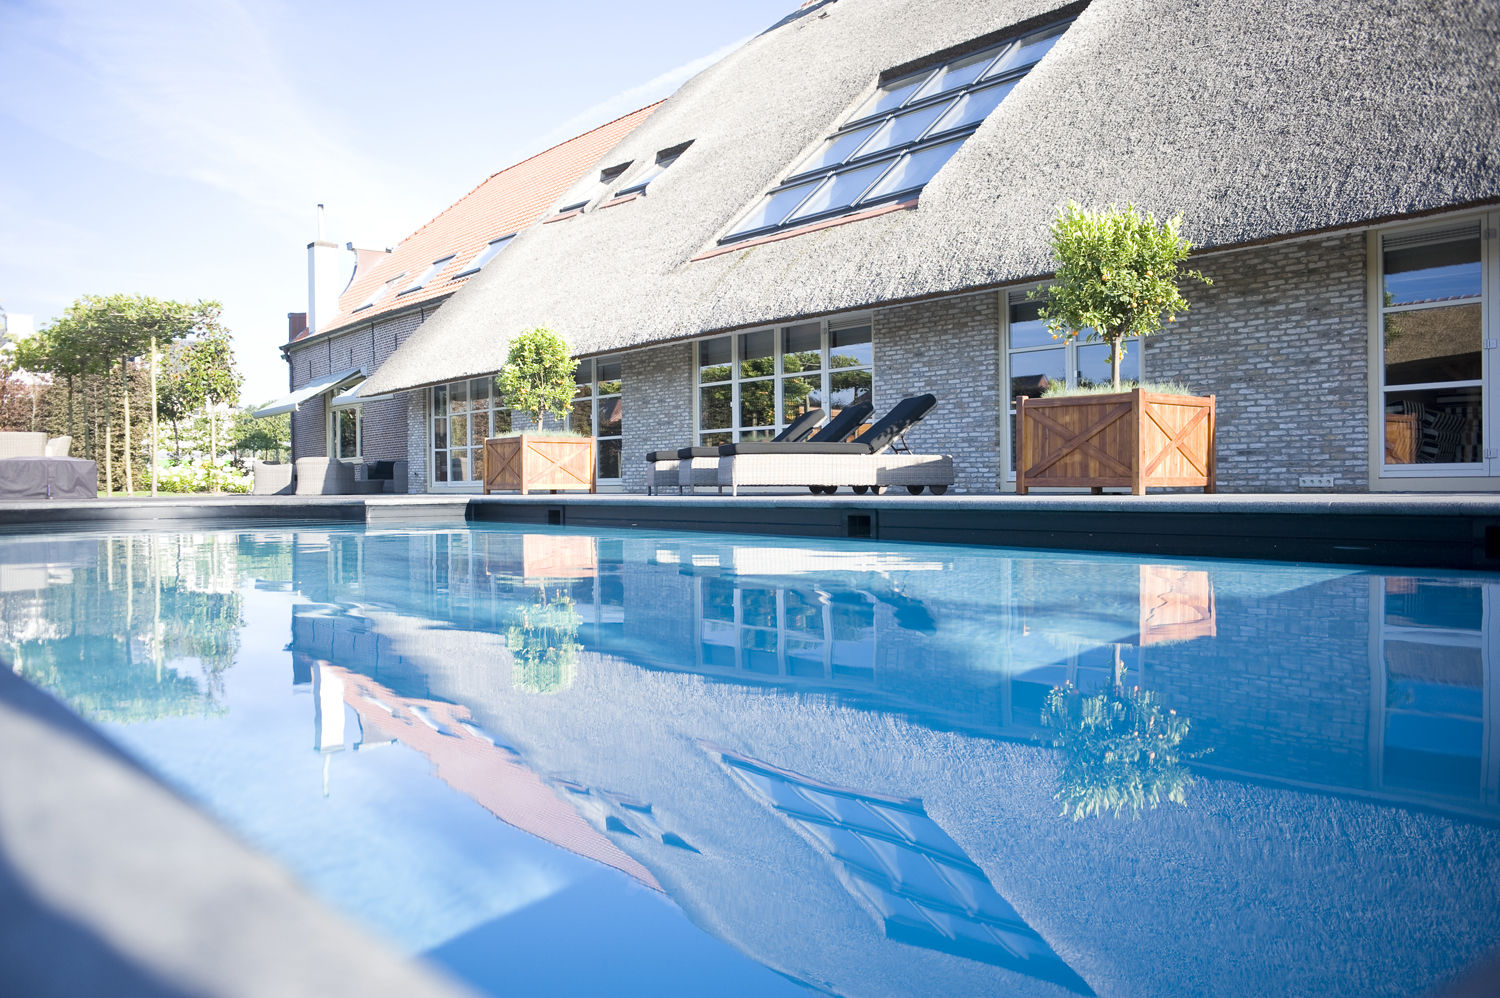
[(382, 291), (607, 179), (899, 139), (664, 159), (485, 255), (427, 274)]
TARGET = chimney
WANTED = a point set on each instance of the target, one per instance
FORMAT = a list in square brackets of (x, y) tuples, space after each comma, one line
[(325, 279), (296, 325)]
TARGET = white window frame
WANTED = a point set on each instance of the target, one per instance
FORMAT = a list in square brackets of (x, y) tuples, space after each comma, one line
[(476, 451), (779, 377), (332, 426), (595, 398), (1478, 476), (1070, 354)]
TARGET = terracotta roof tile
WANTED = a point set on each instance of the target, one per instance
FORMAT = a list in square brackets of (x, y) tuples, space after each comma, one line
[(504, 203)]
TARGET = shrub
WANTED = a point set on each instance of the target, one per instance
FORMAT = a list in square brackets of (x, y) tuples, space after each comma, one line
[(1116, 274), (538, 375)]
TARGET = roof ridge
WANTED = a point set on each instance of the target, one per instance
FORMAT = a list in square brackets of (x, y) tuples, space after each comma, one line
[(520, 163)]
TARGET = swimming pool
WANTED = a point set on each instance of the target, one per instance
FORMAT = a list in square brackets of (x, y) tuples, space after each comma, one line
[(639, 762)]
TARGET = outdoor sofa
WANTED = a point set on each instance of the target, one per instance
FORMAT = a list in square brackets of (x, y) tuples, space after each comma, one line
[(34, 467), (666, 464), (860, 463)]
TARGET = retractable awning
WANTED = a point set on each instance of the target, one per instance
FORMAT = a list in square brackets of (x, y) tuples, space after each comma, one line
[(290, 401), (352, 396)]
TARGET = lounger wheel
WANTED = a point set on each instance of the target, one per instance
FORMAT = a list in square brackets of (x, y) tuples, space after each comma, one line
[(877, 490), (938, 490), (915, 490), (860, 490)]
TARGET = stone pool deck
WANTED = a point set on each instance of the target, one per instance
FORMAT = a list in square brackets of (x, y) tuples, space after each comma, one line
[(1459, 531)]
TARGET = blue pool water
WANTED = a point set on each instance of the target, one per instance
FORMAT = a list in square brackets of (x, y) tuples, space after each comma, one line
[(680, 764)]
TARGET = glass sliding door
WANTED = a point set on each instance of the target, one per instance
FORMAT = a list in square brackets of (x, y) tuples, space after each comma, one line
[(1433, 351)]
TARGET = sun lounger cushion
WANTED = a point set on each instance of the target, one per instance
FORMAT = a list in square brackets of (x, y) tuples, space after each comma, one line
[(798, 429)]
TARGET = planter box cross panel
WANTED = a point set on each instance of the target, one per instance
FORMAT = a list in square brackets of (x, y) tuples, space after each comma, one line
[(1135, 440), (528, 463)]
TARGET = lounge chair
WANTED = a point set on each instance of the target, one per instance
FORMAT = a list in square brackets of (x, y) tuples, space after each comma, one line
[(700, 465), (665, 463), (860, 463)]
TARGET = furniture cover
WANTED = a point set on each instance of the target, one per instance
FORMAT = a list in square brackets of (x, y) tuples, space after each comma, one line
[(48, 478)]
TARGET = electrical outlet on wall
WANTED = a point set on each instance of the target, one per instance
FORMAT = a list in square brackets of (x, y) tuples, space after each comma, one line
[(1315, 481)]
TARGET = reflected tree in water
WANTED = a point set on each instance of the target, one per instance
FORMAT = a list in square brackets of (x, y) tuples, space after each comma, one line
[(544, 643), (114, 640), (1121, 750)]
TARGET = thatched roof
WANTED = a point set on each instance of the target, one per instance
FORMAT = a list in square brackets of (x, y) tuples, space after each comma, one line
[(1254, 122)]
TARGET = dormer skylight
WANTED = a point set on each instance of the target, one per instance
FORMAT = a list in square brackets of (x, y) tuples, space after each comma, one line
[(484, 256), (607, 179), (664, 159), (898, 139), (427, 274), (382, 291)]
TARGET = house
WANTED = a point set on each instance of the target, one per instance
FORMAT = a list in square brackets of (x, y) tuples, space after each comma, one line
[(858, 199), (362, 304)]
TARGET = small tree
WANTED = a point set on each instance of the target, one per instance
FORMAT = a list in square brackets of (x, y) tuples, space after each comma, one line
[(538, 375), (1116, 274)]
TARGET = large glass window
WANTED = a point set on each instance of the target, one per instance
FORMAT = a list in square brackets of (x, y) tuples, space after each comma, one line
[(597, 411), (1432, 347), (464, 414), (1035, 360), (898, 139), (750, 385)]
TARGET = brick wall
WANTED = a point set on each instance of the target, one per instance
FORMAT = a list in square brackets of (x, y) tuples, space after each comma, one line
[(1281, 338), (417, 452), (385, 432), (658, 406), (950, 348)]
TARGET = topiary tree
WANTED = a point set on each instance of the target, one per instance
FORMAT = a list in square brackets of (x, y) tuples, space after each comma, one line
[(538, 375), (1116, 273)]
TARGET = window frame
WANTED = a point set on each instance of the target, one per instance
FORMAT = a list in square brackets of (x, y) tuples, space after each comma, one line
[(491, 249), (888, 157), (1481, 475), (663, 162), (1070, 348), (334, 416), (493, 409), (594, 398), (778, 378), (381, 293), (427, 275)]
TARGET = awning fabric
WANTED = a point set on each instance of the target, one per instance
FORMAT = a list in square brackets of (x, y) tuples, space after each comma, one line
[(352, 396), (290, 401)]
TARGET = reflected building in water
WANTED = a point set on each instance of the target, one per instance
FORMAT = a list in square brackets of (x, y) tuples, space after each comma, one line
[(834, 759)]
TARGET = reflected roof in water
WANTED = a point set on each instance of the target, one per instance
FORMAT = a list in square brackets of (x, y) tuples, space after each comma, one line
[(833, 759)]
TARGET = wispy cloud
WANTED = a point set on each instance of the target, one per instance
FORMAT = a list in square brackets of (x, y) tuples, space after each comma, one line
[(190, 89)]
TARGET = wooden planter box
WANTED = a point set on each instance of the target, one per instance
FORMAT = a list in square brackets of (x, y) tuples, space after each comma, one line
[(529, 463), (1136, 439)]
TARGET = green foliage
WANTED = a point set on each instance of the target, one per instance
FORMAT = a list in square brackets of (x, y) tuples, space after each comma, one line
[(544, 644), (1116, 274), (1120, 751), (201, 476), (538, 375), (1056, 389), (259, 435)]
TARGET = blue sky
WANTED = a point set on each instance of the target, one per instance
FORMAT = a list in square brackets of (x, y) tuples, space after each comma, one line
[(178, 147)]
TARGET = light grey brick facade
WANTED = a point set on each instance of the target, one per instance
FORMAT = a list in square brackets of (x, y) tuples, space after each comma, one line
[(658, 406), (1281, 338), (949, 347)]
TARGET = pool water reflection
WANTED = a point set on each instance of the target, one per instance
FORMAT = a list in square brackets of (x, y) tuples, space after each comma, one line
[(730, 765)]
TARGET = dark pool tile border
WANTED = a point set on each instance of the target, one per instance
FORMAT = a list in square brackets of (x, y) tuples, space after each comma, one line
[(1451, 532)]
